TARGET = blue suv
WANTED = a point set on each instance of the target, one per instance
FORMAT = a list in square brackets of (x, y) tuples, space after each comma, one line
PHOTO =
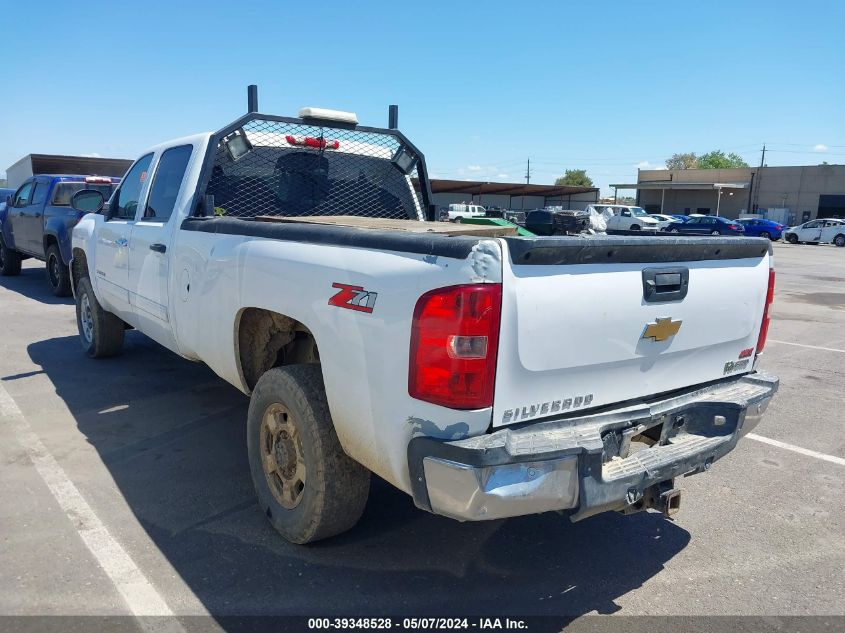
[(37, 221)]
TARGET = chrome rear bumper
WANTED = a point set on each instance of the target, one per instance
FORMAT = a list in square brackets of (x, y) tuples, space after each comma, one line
[(576, 463)]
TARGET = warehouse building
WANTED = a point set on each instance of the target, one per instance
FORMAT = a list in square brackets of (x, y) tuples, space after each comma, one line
[(57, 164), (786, 194), (516, 196)]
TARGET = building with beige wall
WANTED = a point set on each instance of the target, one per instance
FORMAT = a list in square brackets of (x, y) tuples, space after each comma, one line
[(799, 193)]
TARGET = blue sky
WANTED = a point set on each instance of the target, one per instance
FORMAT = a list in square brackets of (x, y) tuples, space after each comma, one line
[(604, 86)]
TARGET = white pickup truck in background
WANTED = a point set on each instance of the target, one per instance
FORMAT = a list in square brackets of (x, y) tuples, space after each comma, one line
[(625, 218), (487, 376)]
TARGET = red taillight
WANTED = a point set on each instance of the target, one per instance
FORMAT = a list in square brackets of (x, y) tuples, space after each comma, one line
[(454, 340), (310, 141), (764, 327)]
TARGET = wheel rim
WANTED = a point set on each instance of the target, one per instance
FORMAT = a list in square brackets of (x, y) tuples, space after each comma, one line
[(673, 230), (839, 241), (53, 270), (766, 235), (715, 233), (281, 456), (86, 319)]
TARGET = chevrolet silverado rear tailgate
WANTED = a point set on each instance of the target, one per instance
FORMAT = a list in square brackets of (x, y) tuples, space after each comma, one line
[(591, 321)]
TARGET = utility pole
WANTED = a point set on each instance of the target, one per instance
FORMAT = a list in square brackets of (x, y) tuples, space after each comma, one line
[(755, 193), (527, 181)]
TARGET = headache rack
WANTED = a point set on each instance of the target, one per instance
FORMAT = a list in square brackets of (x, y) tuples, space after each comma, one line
[(265, 166)]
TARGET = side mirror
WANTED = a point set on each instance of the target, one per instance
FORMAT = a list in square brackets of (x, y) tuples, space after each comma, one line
[(87, 201)]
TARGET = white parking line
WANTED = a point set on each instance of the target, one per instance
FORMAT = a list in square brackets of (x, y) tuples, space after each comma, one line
[(826, 349), (797, 449), (138, 592)]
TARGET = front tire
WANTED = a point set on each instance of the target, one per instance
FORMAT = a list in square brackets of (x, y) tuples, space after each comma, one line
[(58, 275), (100, 332), (715, 232), (10, 260), (307, 487), (635, 227), (766, 235)]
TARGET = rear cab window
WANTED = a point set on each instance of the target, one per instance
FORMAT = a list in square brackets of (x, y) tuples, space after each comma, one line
[(63, 191)]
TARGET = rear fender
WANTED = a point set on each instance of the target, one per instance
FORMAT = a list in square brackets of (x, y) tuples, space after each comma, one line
[(56, 231)]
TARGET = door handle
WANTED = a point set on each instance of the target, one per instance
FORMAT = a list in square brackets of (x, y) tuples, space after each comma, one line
[(158, 248), (121, 241)]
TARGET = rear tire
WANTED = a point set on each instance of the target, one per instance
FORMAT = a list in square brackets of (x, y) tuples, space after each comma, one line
[(306, 485), (58, 275), (10, 260), (674, 231), (839, 240), (715, 232), (100, 332), (792, 238), (458, 219)]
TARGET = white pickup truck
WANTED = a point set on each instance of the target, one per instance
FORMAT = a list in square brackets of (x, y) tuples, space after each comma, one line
[(486, 376)]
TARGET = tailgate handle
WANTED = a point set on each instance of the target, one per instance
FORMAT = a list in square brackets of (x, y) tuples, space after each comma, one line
[(665, 284)]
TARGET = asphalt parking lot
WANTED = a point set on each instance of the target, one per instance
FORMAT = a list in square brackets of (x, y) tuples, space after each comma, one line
[(155, 448)]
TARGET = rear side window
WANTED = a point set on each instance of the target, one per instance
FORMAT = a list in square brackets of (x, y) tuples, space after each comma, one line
[(167, 182), (40, 192), (126, 202)]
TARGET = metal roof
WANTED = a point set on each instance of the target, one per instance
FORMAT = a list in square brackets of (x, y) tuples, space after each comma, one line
[(673, 184), (478, 187), (60, 164)]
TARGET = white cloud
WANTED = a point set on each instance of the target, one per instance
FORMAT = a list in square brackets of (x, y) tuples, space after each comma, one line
[(821, 147), (502, 176), (91, 155), (474, 168)]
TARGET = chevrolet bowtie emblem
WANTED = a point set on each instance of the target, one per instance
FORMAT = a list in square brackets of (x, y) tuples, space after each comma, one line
[(662, 329)]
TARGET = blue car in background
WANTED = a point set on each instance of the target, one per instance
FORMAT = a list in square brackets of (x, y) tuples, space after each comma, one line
[(760, 227), (706, 225), (37, 221)]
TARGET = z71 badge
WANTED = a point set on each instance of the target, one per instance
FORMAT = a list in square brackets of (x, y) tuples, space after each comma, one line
[(353, 298)]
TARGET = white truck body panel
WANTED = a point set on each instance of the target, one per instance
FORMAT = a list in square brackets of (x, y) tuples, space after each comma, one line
[(598, 352)]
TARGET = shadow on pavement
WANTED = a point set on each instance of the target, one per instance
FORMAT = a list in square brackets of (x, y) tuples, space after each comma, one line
[(172, 435), (32, 284)]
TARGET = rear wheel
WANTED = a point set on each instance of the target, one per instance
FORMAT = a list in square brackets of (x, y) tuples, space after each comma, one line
[(100, 332), (673, 230), (459, 219), (58, 275), (715, 232), (839, 240), (792, 238), (10, 260), (306, 485)]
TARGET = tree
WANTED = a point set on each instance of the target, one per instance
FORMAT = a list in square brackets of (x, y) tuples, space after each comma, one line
[(682, 161), (575, 178), (717, 159)]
